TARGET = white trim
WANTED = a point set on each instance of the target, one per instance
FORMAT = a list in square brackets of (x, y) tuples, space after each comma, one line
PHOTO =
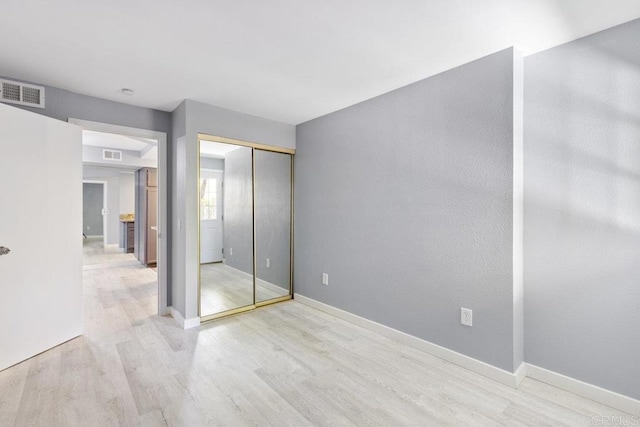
[(590, 391), (184, 324), (482, 368), (105, 205), (163, 199), (521, 373)]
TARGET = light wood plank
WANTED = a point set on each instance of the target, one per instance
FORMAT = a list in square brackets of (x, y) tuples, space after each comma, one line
[(285, 364)]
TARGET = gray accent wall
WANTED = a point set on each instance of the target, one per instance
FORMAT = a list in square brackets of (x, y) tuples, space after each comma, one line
[(92, 203), (238, 210), (273, 217), (406, 201), (582, 209)]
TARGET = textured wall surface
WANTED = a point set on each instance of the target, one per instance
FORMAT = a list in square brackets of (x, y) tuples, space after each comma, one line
[(582, 209), (238, 210), (273, 217), (405, 200)]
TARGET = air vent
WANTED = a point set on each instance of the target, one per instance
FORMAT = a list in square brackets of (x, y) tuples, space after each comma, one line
[(21, 93), (112, 155)]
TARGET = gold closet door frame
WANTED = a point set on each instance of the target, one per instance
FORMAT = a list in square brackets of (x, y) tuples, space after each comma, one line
[(254, 146)]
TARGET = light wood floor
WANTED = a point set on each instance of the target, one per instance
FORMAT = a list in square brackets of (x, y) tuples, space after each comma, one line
[(285, 364), (224, 288), (96, 254)]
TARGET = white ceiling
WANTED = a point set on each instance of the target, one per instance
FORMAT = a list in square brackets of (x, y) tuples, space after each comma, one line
[(216, 150), (282, 59)]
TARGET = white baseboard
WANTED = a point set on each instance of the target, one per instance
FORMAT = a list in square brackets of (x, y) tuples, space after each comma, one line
[(184, 323), (474, 365), (590, 391), (595, 393)]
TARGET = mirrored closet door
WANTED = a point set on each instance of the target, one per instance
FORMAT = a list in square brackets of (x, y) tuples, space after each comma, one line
[(245, 217)]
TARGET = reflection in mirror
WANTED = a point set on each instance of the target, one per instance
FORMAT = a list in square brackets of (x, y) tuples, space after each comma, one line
[(226, 221), (273, 224)]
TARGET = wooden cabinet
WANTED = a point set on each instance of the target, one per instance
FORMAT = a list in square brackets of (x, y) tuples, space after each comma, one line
[(127, 236), (146, 230)]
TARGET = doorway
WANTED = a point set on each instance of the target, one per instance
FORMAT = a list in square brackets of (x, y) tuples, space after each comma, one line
[(141, 170)]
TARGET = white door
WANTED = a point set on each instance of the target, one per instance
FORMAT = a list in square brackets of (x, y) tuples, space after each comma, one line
[(211, 225), (41, 225)]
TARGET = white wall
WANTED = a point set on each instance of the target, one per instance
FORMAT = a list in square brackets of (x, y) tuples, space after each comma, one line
[(127, 193)]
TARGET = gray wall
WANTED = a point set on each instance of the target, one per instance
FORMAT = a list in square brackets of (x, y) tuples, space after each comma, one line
[(92, 202), (273, 217), (238, 210), (212, 163), (582, 209), (405, 200)]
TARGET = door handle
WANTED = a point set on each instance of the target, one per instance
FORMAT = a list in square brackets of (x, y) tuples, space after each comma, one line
[(4, 251)]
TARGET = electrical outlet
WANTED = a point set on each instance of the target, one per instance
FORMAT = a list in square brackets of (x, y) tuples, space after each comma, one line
[(325, 279), (268, 263), (230, 251), (466, 316)]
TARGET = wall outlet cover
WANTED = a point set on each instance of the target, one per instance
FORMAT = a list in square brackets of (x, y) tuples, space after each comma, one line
[(466, 316)]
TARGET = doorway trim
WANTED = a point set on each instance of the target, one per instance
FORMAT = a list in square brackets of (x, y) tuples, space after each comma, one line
[(163, 200), (105, 205)]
